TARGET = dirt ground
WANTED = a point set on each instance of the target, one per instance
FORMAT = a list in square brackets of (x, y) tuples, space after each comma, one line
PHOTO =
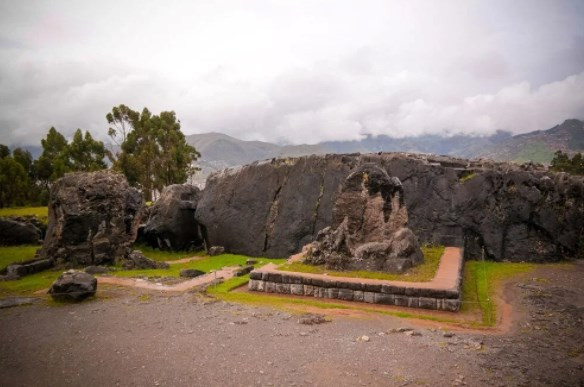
[(144, 338)]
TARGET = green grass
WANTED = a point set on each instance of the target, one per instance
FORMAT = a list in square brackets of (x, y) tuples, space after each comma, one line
[(422, 273), (29, 284), (13, 254), (204, 264), (480, 283), (40, 212), (538, 152), (161, 255)]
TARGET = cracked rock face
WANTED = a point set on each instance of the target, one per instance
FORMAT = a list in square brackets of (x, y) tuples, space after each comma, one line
[(513, 212), (369, 227), (93, 219)]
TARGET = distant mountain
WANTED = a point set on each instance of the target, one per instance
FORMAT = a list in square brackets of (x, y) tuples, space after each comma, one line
[(221, 151), (540, 146)]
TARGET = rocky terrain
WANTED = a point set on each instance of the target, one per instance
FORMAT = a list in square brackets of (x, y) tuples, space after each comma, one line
[(519, 213), (144, 338)]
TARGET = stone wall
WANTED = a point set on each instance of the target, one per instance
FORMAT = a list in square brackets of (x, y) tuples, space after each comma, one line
[(351, 290)]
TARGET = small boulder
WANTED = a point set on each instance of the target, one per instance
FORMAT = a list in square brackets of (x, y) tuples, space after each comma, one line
[(243, 271), (73, 286), (97, 270), (191, 273), (13, 232), (311, 319), (216, 250), (137, 260), (251, 262)]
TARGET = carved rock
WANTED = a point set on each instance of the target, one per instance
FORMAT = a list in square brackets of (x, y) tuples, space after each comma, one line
[(369, 227)]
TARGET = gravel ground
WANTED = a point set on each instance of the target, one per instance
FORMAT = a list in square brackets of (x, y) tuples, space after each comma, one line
[(137, 338)]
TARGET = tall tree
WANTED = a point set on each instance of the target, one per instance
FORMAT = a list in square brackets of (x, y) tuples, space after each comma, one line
[(4, 151), (562, 163), (86, 154), (155, 152), (53, 162), (13, 183), (24, 158)]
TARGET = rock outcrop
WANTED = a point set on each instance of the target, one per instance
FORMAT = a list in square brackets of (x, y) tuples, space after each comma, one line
[(73, 286), (519, 213), (93, 219), (136, 260), (16, 232), (171, 224), (368, 229)]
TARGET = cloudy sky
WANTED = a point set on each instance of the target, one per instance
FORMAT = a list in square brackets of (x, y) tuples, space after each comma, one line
[(292, 71)]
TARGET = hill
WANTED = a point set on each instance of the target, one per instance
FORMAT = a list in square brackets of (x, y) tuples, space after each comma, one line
[(539, 146), (221, 151)]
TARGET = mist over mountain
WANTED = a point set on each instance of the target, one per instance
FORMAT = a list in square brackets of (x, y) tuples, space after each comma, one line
[(221, 151)]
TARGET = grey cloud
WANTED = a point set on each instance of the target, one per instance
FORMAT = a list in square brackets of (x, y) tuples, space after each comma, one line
[(336, 73)]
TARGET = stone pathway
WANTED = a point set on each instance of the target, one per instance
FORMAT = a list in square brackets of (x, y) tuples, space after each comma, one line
[(185, 260), (441, 293), (447, 276), (224, 274)]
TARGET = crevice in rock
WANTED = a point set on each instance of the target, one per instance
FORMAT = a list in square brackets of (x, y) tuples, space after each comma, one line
[(273, 213), (317, 205)]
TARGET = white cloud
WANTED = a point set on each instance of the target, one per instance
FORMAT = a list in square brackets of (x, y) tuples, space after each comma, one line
[(295, 72)]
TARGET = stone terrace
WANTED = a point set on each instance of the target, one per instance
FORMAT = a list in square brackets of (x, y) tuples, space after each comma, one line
[(442, 293)]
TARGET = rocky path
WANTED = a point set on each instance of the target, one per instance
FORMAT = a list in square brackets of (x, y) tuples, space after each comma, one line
[(140, 337)]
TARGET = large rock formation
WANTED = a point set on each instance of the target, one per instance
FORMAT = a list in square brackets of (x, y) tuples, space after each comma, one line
[(172, 224), (368, 229), (93, 219), (16, 232), (518, 213)]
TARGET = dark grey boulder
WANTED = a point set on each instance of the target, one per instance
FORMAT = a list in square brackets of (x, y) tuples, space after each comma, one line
[(514, 212), (171, 224), (191, 273), (243, 271), (73, 286), (216, 250), (20, 269), (16, 232), (97, 270), (136, 260), (93, 219)]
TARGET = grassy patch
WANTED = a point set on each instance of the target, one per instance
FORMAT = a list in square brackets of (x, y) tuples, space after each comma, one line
[(422, 273), (161, 255), (205, 264), (28, 284), (480, 283), (40, 212), (538, 152), (13, 254)]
